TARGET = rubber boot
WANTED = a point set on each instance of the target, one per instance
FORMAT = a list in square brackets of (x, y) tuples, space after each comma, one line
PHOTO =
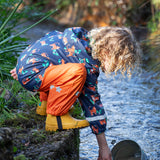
[(64, 122), (41, 108)]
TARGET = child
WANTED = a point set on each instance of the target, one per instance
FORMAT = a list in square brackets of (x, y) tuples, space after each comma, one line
[(64, 66)]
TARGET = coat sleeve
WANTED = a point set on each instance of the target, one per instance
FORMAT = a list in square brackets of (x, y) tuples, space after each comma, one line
[(92, 105)]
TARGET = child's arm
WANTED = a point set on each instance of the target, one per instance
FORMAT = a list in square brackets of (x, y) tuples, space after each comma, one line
[(14, 74), (104, 151)]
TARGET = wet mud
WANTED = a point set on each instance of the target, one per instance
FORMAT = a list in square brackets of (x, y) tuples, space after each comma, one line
[(30, 141)]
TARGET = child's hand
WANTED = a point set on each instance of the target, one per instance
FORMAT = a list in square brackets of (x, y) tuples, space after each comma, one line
[(104, 151), (14, 74), (105, 154)]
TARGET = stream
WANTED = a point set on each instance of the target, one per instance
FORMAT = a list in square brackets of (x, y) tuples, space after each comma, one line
[(133, 111)]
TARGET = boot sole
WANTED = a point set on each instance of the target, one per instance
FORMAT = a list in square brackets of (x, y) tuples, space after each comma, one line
[(55, 128)]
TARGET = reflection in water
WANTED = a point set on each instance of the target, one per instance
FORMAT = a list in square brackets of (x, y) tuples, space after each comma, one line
[(133, 109)]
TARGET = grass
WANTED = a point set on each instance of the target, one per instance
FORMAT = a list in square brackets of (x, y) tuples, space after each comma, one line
[(20, 157), (77, 112), (18, 101)]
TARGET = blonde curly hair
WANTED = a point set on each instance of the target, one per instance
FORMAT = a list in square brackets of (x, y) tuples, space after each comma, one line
[(118, 46)]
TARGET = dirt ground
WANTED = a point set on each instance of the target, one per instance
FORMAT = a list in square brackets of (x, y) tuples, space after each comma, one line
[(32, 142)]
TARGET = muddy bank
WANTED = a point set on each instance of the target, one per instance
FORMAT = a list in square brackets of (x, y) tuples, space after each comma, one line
[(25, 138)]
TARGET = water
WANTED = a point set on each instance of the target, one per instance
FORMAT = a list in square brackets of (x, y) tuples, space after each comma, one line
[(133, 111)]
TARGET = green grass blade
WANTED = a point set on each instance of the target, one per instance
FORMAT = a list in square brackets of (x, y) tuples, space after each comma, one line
[(13, 48), (11, 37), (10, 16)]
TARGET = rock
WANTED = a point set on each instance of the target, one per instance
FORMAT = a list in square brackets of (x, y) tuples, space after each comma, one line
[(8, 97), (6, 147), (57, 146)]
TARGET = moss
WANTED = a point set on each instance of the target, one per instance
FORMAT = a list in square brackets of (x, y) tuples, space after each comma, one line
[(38, 136), (20, 157)]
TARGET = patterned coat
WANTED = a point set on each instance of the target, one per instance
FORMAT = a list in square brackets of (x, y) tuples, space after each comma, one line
[(70, 46)]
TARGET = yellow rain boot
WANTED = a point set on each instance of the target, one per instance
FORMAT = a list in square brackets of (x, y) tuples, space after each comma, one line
[(41, 108), (63, 122)]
